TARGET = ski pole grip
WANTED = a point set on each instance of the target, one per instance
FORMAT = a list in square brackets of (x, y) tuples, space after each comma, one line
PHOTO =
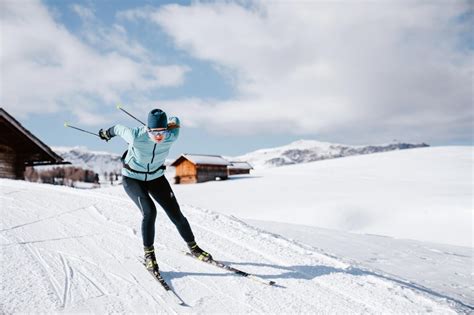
[(174, 126)]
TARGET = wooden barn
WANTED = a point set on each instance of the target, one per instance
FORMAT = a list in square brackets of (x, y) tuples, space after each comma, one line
[(20, 148), (236, 168), (198, 168)]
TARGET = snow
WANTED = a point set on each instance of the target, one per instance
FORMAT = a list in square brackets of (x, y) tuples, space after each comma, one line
[(411, 194), (304, 151), (98, 161), (444, 270), (240, 165), (81, 150), (205, 159), (80, 248)]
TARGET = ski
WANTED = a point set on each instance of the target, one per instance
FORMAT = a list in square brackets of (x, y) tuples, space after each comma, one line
[(157, 276), (234, 270)]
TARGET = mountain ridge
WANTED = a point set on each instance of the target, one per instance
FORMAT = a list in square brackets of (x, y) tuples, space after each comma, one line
[(304, 151)]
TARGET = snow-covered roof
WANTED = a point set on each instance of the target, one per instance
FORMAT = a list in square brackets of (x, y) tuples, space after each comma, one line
[(240, 165), (203, 159)]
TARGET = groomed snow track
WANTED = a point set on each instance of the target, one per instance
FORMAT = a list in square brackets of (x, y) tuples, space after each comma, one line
[(67, 250)]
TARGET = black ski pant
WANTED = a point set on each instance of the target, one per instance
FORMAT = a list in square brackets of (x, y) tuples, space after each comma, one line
[(160, 190)]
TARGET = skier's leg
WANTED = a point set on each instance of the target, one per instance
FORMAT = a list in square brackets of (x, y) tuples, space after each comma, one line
[(161, 191), (137, 191)]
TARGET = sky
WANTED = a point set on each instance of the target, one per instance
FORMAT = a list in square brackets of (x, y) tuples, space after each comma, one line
[(241, 75)]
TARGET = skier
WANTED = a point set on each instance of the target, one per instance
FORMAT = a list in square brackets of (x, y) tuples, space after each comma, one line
[(143, 176)]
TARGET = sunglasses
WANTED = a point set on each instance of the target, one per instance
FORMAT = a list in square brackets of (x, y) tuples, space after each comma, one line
[(158, 132)]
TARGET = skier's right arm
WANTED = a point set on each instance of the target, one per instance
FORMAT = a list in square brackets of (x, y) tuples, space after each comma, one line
[(125, 133)]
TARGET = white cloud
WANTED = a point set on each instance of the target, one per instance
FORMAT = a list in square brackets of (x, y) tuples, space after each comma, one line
[(137, 14), (109, 39), (369, 70), (171, 75), (84, 12), (45, 68)]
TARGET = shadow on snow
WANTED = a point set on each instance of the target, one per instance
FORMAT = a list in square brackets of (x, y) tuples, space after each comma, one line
[(310, 272)]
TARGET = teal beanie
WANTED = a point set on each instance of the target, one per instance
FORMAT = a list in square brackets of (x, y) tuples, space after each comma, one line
[(157, 119)]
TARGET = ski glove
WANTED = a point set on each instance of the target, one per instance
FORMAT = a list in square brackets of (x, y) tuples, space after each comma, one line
[(105, 134), (172, 126), (173, 123)]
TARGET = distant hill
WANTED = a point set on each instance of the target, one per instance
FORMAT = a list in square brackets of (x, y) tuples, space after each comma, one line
[(304, 151), (98, 161)]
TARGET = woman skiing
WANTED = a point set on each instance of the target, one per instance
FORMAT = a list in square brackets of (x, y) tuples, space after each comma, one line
[(143, 176)]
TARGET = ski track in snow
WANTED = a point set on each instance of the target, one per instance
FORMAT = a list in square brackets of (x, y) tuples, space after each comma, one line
[(81, 250)]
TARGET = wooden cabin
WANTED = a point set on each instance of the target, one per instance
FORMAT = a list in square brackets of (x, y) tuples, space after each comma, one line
[(237, 167), (20, 148), (198, 168)]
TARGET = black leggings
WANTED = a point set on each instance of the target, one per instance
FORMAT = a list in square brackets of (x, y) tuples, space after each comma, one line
[(160, 190)]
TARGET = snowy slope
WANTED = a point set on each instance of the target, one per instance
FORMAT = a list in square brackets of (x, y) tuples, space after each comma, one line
[(443, 270), (66, 250), (304, 151), (423, 194)]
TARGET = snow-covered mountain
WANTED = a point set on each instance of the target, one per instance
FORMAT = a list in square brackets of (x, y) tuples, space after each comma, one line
[(304, 151), (98, 161)]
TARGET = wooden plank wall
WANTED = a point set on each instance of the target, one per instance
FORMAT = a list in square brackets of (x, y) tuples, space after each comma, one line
[(186, 168), (237, 171), (187, 173), (8, 159), (211, 172)]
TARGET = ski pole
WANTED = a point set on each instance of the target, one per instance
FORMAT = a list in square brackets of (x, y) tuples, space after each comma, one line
[(123, 110), (69, 126)]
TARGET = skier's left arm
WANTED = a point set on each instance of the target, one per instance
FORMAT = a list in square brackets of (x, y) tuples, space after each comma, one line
[(173, 128), (128, 134)]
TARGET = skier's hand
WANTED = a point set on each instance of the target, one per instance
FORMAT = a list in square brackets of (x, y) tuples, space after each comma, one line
[(173, 123), (172, 126), (104, 135)]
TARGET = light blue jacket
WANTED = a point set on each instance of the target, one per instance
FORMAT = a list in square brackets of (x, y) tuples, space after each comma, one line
[(144, 154)]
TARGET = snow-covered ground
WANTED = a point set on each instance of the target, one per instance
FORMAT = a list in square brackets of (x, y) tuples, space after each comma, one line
[(442, 270), (423, 194), (80, 248)]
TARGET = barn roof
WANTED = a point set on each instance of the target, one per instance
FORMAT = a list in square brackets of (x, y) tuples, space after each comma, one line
[(32, 150), (202, 159), (240, 165)]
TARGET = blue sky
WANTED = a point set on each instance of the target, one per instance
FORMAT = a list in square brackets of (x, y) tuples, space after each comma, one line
[(241, 75)]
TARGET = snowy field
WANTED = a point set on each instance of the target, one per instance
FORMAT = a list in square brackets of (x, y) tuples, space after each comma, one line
[(423, 194), (80, 248)]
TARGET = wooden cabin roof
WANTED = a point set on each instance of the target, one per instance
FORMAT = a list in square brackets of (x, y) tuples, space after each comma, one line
[(32, 150), (240, 165), (202, 159)]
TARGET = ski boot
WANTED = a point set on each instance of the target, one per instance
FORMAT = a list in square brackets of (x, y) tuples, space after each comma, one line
[(197, 252), (150, 260)]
